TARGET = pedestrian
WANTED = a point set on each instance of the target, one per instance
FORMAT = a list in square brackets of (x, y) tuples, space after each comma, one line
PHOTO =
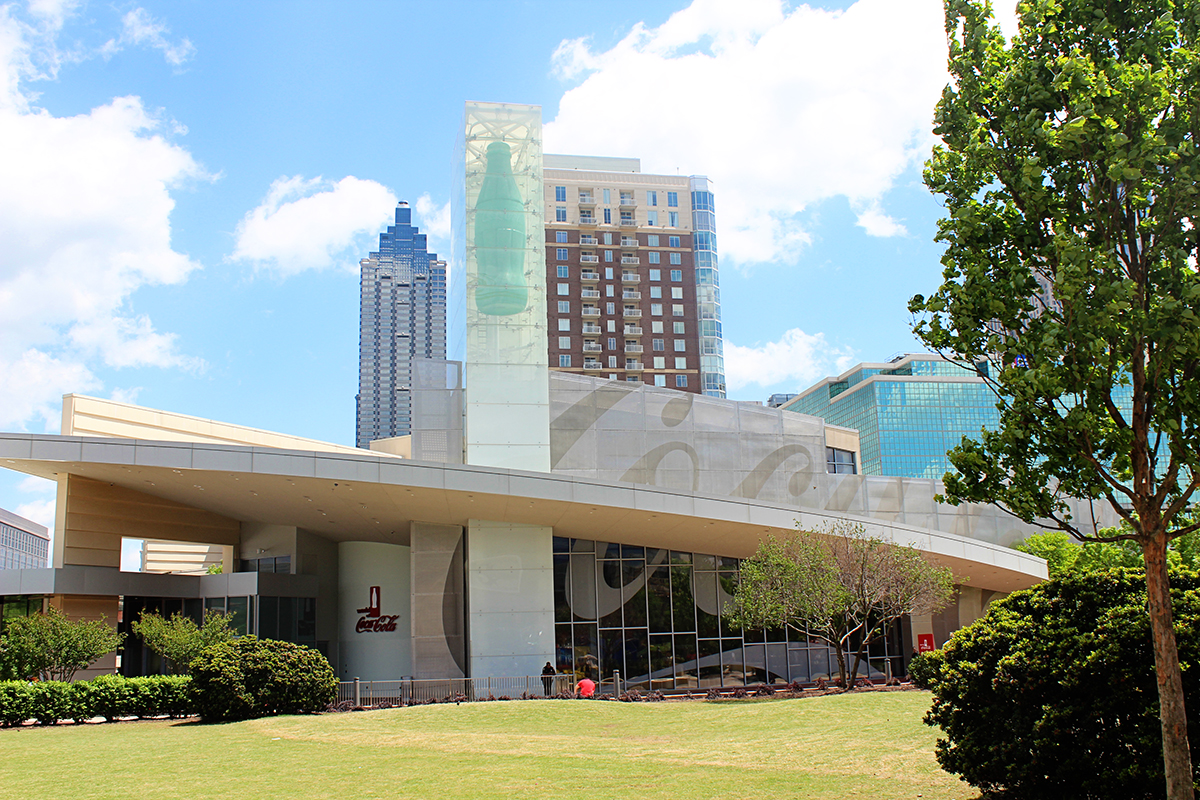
[(586, 688), (547, 678)]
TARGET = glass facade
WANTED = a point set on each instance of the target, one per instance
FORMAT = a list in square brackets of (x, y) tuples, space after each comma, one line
[(14, 606), (655, 616), (708, 287), (21, 549)]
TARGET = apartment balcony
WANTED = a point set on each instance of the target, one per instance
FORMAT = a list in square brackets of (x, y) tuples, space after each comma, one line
[(629, 294), (591, 241), (589, 276), (630, 277), (633, 260), (627, 201), (591, 327), (587, 219), (631, 330), (587, 258), (629, 222), (592, 365), (592, 347), (629, 312), (587, 199), (591, 312), (589, 294), (630, 347), (634, 366), (628, 241)]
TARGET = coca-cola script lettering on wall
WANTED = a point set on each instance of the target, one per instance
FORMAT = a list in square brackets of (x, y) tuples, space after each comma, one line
[(372, 621)]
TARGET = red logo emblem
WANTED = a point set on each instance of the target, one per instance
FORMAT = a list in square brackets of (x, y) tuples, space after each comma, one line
[(373, 621), (925, 642)]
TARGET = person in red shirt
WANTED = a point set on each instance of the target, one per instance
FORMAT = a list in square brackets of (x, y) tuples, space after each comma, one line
[(585, 688)]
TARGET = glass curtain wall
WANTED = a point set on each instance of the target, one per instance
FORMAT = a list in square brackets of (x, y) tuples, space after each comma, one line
[(655, 616)]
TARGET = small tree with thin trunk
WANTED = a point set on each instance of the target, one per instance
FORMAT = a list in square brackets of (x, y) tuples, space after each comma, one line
[(1069, 171), (179, 639), (839, 586), (51, 646)]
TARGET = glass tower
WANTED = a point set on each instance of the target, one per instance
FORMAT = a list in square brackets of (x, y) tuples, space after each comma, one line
[(402, 317), (708, 287)]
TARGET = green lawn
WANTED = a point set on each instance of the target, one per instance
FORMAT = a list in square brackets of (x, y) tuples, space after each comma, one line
[(869, 745)]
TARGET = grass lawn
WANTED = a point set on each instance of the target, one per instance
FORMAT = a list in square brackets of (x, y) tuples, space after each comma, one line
[(870, 745)]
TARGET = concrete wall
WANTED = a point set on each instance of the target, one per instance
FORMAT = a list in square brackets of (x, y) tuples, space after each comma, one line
[(438, 601), (365, 652)]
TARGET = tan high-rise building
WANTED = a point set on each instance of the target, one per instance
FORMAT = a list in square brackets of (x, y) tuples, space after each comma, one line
[(631, 274)]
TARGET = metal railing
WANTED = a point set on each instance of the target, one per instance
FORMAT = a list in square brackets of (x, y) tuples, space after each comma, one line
[(408, 690)]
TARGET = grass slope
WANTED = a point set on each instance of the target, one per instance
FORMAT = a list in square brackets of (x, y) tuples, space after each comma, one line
[(854, 745)]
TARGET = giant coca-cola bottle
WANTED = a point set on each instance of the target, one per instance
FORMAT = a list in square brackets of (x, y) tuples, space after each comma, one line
[(500, 238)]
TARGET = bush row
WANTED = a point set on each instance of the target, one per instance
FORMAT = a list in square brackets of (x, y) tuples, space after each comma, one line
[(109, 696)]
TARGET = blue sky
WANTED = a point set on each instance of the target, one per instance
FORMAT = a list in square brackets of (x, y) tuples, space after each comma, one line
[(186, 187)]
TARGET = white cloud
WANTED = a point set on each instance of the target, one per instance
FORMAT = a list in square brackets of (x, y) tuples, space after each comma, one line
[(781, 107), (85, 209), (798, 357), (139, 28), (313, 224), (40, 511), (876, 223), (122, 395), (434, 220)]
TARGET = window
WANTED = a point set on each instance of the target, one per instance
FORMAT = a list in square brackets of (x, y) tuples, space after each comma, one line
[(672, 219), (560, 194), (608, 273), (607, 196), (608, 238), (676, 292), (656, 309), (676, 258), (610, 308), (651, 198), (612, 361), (651, 217), (657, 345), (672, 241), (612, 326), (656, 274), (677, 309), (681, 381), (653, 258), (564, 306), (564, 289), (608, 291), (656, 327), (652, 240), (660, 380), (656, 292), (680, 362), (564, 325), (612, 343), (560, 237), (608, 255), (632, 379), (673, 199), (560, 213), (561, 253), (840, 462), (680, 345), (564, 343), (608, 219), (564, 360), (660, 362), (564, 271)]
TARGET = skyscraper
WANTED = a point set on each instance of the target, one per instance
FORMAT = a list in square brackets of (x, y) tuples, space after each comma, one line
[(631, 266), (402, 316)]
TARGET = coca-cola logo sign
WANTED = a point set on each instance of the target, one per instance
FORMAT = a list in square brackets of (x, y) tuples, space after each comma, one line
[(372, 620)]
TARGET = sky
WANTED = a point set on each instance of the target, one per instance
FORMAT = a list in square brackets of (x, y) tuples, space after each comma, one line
[(186, 187)]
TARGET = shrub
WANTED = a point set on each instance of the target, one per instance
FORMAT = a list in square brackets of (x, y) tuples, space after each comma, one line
[(50, 701), (252, 677), (1052, 693), (16, 702), (110, 696)]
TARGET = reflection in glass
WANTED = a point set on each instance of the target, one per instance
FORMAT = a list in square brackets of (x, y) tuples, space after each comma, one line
[(637, 658), (583, 587), (710, 662), (562, 579), (682, 599), (563, 657), (733, 668), (238, 609), (635, 610), (661, 662), (687, 671), (587, 652), (706, 605), (658, 584), (612, 653), (680, 558), (756, 663)]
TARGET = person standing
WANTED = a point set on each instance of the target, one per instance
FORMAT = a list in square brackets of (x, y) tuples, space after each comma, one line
[(548, 674)]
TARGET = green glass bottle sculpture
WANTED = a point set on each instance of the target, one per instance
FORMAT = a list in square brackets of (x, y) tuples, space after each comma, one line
[(500, 238)]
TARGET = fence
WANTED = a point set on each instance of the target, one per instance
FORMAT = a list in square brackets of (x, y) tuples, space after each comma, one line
[(405, 691)]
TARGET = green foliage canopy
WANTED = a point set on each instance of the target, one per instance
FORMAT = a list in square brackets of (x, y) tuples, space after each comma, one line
[(179, 639), (50, 646), (251, 677)]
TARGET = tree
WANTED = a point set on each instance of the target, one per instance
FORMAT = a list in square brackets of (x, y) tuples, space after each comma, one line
[(1068, 168), (840, 586), (251, 677), (179, 639), (50, 646)]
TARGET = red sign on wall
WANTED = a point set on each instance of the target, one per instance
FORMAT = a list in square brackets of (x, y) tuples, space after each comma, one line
[(925, 642), (373, 621)]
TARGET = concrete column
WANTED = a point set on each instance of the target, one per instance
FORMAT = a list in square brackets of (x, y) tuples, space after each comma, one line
[(438, 601), (510, 598), (970, 605)]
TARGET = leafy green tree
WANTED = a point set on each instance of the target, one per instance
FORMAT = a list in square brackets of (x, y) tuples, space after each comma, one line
[(1068, 168), (839, 586), (179, 639), (51, 646)]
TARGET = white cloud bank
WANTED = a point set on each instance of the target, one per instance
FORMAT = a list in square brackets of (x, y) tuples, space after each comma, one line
[(85, 209), (798, 358), (313, 224), (139, 28), (781, 107)]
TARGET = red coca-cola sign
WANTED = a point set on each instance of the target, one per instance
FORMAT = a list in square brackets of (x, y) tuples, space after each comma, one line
[(372, 619)]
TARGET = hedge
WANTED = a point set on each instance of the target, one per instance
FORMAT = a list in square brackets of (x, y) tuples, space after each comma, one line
[(109, 696), (251, 677)]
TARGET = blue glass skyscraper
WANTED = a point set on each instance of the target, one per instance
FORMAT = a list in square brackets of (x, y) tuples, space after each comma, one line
[(402, 317)]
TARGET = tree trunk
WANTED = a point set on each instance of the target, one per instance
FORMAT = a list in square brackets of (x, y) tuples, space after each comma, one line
[(1177, 758), (841, 659)]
